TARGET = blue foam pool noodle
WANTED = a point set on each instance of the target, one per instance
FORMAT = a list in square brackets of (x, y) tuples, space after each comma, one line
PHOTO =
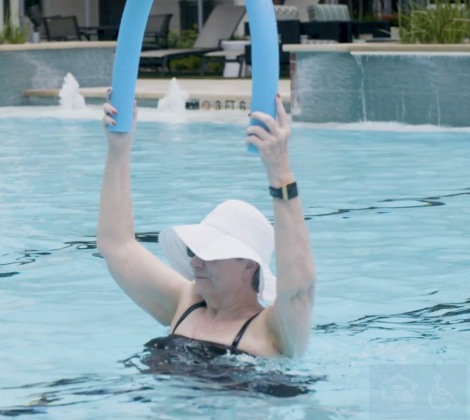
[(126, 62), (264, 59)]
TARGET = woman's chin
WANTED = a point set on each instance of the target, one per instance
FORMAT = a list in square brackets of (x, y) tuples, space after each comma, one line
[(201, 285)]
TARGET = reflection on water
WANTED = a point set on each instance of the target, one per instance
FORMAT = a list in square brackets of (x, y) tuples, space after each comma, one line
[(188, 375), (70, 391), (229, 378), (444, 316), (29, 256), (396, 203)]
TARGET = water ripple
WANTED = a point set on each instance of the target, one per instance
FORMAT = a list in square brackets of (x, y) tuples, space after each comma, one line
[(421, 323), (24, 257)]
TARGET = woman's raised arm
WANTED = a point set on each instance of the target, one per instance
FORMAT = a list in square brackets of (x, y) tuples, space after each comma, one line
[(290, 317), (148, 281)]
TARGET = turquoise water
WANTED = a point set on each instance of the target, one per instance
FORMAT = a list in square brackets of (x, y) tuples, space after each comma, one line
[(388, 213)]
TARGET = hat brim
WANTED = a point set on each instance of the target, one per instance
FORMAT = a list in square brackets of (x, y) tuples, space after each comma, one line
[(210, 243)]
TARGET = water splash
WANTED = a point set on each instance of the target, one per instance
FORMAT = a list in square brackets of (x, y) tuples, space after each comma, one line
[(174, 102), (69, 95)]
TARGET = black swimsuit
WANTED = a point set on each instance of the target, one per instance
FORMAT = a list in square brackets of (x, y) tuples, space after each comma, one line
[(200, 346), (236, 341), (177, 355)]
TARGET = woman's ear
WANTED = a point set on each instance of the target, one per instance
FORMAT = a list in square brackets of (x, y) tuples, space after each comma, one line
[(253, 265)]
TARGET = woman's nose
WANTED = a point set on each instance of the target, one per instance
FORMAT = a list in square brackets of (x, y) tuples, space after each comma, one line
[(196, 261)]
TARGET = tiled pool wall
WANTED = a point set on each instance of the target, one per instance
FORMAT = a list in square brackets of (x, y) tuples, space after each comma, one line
[(330, 83), (365, 84), (45, 66)]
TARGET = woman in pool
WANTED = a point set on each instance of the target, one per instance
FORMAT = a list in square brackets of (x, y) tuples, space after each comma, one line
[(220, 267)]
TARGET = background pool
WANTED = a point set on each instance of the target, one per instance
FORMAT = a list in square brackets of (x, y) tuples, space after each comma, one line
[(388, 213)]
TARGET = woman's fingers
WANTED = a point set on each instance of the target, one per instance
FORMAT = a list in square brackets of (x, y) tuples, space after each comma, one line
[(266, 119), (271, 137), (255, 141), (281, 112), (109, 109), (109, 112), (107, 120), (258, 131), (270, 122)]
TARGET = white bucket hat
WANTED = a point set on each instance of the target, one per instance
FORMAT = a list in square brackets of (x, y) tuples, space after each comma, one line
[(234, 229)]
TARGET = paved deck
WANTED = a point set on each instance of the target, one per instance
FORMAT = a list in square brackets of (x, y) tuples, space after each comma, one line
[(226, 93)]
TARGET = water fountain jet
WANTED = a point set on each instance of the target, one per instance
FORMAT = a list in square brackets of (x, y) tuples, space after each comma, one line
[(69, 95)]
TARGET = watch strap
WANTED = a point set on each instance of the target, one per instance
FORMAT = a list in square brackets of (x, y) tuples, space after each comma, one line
[(286, 192)]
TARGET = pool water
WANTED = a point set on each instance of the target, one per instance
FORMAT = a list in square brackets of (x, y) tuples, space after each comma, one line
[(388, 210)]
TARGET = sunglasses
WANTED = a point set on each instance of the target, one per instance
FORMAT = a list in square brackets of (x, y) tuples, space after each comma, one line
[(190, 253)]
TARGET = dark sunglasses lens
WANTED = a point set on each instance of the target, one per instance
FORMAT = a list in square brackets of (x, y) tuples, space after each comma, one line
[(190, 253)]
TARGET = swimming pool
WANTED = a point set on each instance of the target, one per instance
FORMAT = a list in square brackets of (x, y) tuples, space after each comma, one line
[(387, 207)]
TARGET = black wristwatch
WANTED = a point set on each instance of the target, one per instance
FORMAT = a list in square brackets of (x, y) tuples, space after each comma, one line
[(286, 192)]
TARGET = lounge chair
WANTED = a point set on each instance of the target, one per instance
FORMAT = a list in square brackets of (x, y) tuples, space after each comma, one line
[(220, 25), (156, 32), (62, 28), (333, 22)]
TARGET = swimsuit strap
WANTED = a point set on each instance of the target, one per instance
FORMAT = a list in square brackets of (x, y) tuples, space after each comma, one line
[(236, 340), (188, 311)]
